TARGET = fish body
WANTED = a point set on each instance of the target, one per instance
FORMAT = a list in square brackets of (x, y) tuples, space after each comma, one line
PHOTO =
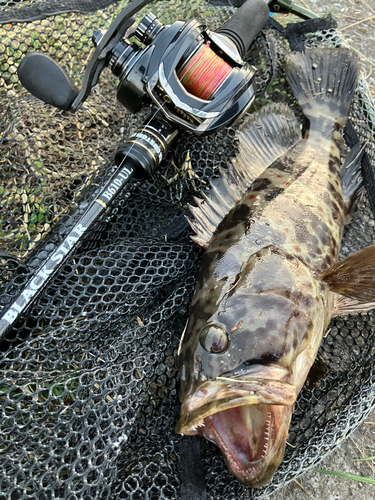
[(266, 287)]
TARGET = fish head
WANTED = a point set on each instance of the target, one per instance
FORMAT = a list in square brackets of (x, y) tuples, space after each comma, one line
[(238, 359)]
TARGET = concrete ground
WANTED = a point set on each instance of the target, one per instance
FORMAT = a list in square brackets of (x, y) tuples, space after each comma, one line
[(356, 19)]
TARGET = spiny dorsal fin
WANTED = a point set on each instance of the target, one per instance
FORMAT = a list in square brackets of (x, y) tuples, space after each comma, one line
[(263, 138)]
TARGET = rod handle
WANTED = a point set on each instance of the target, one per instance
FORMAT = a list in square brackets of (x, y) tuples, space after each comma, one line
[(245, 25)]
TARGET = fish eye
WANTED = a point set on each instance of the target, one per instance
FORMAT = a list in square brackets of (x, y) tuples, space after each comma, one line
[(214, 339)]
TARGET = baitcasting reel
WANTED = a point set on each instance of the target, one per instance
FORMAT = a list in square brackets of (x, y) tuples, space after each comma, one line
[(197, 78), (216, 86)]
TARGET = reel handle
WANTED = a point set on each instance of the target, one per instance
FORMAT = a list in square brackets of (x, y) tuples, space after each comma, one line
[(45, 79), (245, 25)]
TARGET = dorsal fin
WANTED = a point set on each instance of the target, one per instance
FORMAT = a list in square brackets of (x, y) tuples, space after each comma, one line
[(263, 138)]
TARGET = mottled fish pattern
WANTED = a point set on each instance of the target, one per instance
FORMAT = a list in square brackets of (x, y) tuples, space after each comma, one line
[(272, 229)]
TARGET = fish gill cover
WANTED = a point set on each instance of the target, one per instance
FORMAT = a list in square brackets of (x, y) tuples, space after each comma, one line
[(88, 382)]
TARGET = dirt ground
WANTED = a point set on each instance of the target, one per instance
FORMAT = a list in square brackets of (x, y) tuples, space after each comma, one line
[(356, 20)]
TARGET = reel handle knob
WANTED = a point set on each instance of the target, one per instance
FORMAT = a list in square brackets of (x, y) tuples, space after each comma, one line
[(246, 24), (46, 80)]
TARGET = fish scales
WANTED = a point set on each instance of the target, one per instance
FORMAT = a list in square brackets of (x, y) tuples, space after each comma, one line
[(301, 211), (288, 223), (268, 283)]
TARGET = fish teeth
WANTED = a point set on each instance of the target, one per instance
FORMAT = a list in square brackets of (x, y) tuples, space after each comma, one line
[(195, 427), (267, 434)]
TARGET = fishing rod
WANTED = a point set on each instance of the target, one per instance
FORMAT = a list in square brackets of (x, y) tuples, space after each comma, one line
[(195, 78)]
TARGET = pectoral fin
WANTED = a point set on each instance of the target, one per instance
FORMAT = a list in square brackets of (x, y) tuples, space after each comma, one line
[(354, 278), (343, 306)]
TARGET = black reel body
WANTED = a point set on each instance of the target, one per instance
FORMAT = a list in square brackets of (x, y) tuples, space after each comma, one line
[(152, 73), (149, 62)]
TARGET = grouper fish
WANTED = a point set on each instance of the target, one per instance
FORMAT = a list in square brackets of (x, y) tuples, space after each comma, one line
[(269, 281)]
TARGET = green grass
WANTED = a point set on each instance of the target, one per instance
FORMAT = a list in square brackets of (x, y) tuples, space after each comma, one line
[(364, 459), (347, 476)]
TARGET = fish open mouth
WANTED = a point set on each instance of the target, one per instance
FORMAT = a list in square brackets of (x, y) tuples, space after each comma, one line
[(245, 452), (251, 438), (225, 393), (247, 419)]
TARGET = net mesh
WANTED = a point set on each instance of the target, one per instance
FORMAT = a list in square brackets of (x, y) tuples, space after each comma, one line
[(88, 382)]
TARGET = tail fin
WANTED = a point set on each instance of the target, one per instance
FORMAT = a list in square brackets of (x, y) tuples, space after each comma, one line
[(323, 82)]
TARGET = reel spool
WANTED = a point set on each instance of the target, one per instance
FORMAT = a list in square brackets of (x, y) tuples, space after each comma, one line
[(203, 74)]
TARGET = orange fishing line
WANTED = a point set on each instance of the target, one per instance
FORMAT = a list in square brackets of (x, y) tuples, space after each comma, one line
[(204, 72)]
